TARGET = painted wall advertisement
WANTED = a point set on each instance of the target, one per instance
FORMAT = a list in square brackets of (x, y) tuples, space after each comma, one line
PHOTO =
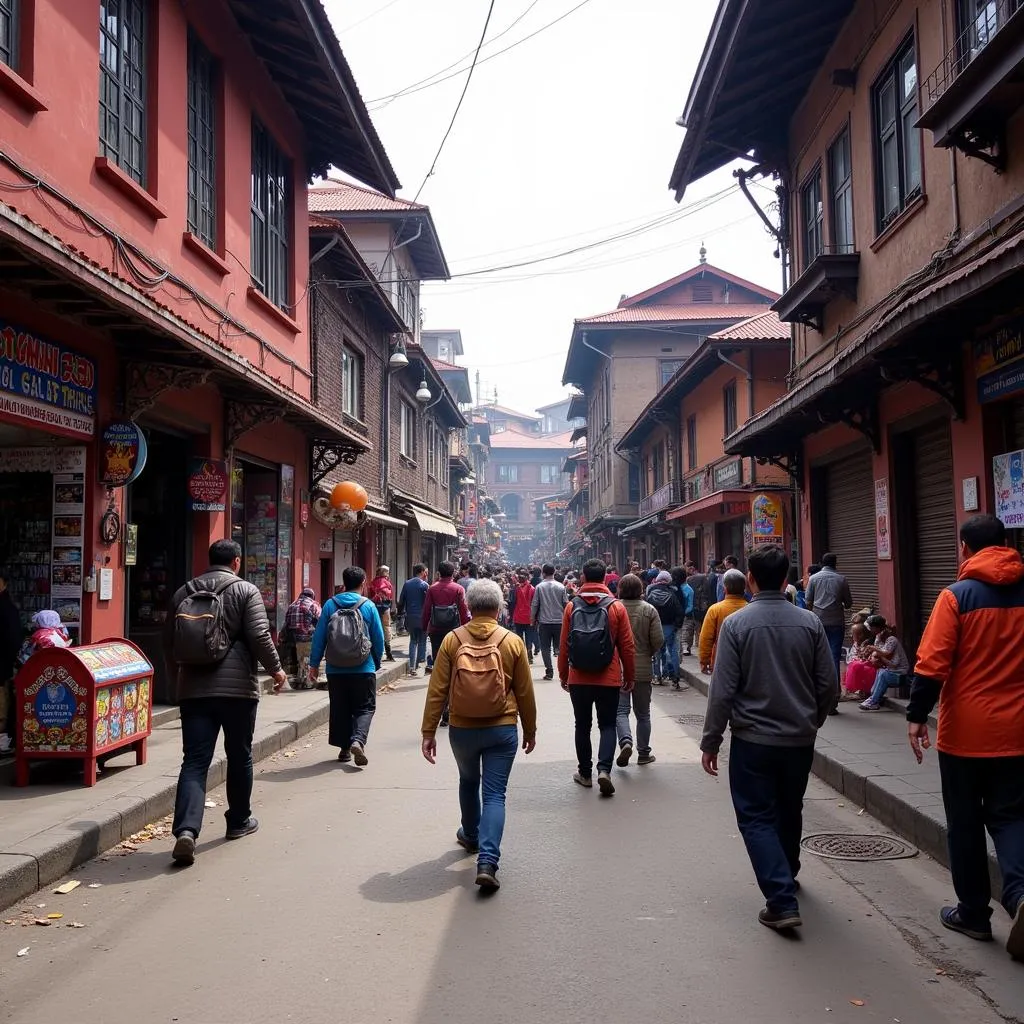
[(207, 485), (766, 519), (45, 384), (999, 362), (1008, 478), (883, 526)]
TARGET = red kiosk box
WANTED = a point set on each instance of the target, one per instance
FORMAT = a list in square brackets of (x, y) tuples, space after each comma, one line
[(84, 703)]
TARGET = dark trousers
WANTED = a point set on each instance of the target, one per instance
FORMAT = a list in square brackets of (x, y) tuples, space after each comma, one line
[(982, 793), (528, 634), (835, 636), (353, 697), (202, 719), (768, 786), (550, 633), (585, 699)]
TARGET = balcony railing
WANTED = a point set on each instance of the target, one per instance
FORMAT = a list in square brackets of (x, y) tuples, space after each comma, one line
[(664, 496)]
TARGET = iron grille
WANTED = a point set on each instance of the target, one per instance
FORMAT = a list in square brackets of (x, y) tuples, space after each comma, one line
[(270, 217), (123, 85), (202, 151), (9, 33)]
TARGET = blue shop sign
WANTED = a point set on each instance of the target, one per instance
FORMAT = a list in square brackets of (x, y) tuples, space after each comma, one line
[(999, 362), (55, 706)]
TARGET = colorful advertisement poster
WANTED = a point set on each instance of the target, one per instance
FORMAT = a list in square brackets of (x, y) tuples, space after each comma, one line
[(999, 362), (1008, 478), (45, 384), (207, 485), (766, 519), (883, 526), (122, 454), (68, 549), (471, 512)]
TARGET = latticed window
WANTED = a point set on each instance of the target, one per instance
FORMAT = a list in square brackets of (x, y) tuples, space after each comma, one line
[(123, 85), (270, 217), (9, 33), (202, 143)]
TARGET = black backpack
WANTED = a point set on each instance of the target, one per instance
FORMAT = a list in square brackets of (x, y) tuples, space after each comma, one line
[(664, 601), (348, 645), (200, 634), (590, 643), (444, 618)]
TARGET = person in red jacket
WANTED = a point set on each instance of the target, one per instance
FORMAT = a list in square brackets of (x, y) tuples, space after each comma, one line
[(522, 613), (596, 663), (972, 654), (444, 609)]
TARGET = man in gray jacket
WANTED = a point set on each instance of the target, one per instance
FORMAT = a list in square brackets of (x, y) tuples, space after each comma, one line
[(774, 685), (546, 613), (828, 596), (222, 695)]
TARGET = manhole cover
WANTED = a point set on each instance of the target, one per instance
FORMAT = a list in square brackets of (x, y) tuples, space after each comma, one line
[(843, 846), (690, 719)]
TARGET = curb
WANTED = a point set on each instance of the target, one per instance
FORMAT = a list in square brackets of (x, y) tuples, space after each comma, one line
[(52, 853)]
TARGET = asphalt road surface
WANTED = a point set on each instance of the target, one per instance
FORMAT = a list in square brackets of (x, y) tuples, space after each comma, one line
[(353, 905)]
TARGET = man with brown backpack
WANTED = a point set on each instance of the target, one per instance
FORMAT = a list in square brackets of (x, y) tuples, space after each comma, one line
[(482, 674)]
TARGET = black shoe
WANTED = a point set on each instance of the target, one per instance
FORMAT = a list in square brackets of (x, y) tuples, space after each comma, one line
[(469, 845), (388, 656), (835, 710), (247, 828), (487, 878), (951, 919), (1015, 941), (624, 755), (345, 756), (780, 922), (359, 754), (549, 675), (184, 852)]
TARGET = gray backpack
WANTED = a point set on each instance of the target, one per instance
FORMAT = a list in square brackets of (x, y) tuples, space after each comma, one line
[(348, 645)]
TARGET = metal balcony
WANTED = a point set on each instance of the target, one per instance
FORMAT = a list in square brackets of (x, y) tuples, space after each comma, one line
[(663, 497)]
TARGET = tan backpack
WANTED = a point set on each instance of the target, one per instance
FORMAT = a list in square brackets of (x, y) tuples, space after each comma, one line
[(478, 677)]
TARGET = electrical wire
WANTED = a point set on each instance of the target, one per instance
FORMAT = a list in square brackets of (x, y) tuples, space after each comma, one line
[(369, 17), (458, 106)]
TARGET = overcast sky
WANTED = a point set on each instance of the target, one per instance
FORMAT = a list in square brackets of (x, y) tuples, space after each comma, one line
[(567, 139)]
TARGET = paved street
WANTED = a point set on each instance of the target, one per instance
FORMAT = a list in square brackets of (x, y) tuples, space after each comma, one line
[(352, 903)]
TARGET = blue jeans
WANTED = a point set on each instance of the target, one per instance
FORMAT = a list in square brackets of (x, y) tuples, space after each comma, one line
[(666, 661), (768, 785), (484, 757), (417, 647), (835, 636), (884, 678)]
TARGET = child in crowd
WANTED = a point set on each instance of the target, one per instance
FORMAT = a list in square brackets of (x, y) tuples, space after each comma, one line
[(47, 631)]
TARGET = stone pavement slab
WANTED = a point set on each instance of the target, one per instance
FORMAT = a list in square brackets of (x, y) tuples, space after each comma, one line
[(56, 823)]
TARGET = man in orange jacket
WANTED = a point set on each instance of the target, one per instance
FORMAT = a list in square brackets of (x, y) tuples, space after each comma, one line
[(972, 653), (595, 664)]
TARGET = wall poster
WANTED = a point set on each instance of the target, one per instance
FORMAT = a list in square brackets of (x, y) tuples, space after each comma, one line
[(1008, 478), (883, 526)]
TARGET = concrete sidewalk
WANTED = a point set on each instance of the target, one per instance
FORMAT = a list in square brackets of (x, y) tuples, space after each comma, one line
[(51, 826)]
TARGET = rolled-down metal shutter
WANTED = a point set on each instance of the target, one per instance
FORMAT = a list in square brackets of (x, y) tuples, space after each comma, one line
[(850, 508), (1017, 426), (934, 516)]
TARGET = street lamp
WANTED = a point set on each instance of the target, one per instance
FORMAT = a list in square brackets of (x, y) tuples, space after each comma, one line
[(399, 360)]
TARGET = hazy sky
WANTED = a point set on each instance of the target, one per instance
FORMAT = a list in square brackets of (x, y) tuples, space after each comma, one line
[(567, 139)]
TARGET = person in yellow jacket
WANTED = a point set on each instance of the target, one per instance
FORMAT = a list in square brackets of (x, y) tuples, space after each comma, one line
[(735, 584)]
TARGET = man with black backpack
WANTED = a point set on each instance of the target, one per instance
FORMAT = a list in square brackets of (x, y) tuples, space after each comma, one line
[(215, 635), (444, 609), (595, 664), (351, 636)]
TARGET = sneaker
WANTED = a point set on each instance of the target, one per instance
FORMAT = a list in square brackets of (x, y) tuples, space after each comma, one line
[(358, 754), (583, 780), (676, 684), (604, 783), (247, 828), (549, 675), (624, 755), (869, 705), (469, 845), (646, 759), (389, 656), (529, 658), (688, 652), (780, 922), (657, 681), (344, 756), (951, 919), (184, 852), (1015, 941), (487, 878)]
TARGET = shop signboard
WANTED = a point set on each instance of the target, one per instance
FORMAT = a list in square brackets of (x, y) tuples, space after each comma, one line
[(766, 519), (1008, 478), (999, 362), (471, 508), (207, 485), (122, 453), (883, 531), (729, 474), (46, 384)]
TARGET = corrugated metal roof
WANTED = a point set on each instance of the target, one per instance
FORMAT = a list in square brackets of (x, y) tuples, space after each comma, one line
[(334, 196), (765, 327), (662, 314)]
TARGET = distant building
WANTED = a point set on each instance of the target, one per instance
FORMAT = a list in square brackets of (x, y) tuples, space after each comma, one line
[(501, 418), (555, 417), (443, 345)]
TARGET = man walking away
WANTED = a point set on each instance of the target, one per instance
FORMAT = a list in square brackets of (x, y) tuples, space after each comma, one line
[(300, 621), (972, 653), (734, 601), (444, 609), (382, 593), (705, 589), (215, 635), (595, 664), (828, 596), (547, 609), (773, 687), (729, 562), (665, 599), (483, 668), (410, 604), (350, 634), (522, 613), (686, 632)]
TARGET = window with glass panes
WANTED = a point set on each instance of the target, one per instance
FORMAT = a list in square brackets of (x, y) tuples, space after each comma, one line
[(814, 218), (731, 408), (431, 448), (442, 456), (123, 60), (407, 430), (897, 139), (351, 383), (270, 217), (840, 184), (508, 474), (9, 33), (202, 143), (667, 369), (549, 474), (691, 442)]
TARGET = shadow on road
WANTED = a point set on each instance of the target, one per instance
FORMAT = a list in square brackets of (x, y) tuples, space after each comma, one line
[(420, 882)]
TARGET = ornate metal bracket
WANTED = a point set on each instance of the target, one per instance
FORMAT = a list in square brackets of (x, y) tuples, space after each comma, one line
[(146, 382), (990, 148), (939, 373), (241, 417), (791, 465), (325, 456), (863, 419)]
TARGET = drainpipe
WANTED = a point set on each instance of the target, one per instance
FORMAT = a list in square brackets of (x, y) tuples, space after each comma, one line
[(750, 399), (954, 185), (409, 241)]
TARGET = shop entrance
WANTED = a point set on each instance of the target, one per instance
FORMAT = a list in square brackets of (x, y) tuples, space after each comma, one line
[(156, 506)]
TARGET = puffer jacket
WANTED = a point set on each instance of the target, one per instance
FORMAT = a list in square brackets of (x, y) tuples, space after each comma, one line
[(246, 619), (622, 666), (648, 636)]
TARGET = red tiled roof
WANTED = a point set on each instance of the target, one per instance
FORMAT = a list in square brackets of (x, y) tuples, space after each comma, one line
[(322, 222), (765, 327), (442, 365), (701, 270), (662, 314), (519, 440), (334, 196)]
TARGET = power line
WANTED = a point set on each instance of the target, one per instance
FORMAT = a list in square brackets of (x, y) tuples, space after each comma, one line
[(427, 84), (370, 16), (458, 106)]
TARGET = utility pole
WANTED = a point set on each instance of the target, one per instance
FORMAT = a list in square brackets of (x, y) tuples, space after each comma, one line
[(478, 389)]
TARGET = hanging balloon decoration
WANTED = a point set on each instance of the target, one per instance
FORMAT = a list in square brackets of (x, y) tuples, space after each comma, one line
[(349, 496)]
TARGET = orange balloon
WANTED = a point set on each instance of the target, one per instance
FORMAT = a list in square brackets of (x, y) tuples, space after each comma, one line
[(349, 494)]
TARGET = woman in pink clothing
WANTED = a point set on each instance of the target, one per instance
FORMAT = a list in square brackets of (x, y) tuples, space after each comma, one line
[(860, 673)]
